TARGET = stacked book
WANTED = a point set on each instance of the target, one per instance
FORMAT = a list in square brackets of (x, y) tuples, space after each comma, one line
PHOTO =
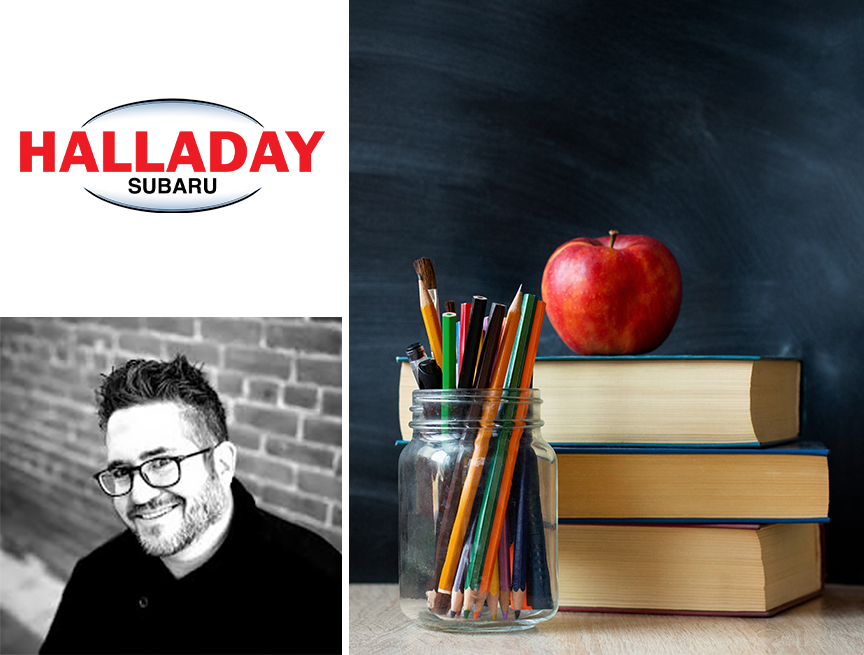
[(683, 484)]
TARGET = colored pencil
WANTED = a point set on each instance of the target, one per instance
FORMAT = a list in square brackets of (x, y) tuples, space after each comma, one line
[(454, 484), (519, 582), (520, 541), (481, 445), (434, 598), (464, 319), (490, 347), (459, 581), (482, 544), (513, 449), (538, 583), (504, 570), (448, 354), (492, 599), (470, 349)]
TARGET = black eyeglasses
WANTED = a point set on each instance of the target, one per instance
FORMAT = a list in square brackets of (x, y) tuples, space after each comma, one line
[(159, 472)]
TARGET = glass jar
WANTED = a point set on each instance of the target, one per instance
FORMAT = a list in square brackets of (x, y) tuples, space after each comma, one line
[(478, 512)]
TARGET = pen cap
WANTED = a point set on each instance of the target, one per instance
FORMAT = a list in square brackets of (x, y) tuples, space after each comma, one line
[(415, 352), (416, 356), (428, 374)]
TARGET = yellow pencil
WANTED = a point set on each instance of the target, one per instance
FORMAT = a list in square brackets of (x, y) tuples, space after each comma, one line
[(492, 599)]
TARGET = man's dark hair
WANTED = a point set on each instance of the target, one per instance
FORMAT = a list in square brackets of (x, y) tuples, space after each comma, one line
[(144, 381)]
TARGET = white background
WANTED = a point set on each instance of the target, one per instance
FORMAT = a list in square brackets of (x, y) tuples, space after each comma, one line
[(282, 252)]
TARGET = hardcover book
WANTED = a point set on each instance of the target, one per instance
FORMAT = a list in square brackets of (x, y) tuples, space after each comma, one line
[(772, 484), (750, 570), (653, 400)]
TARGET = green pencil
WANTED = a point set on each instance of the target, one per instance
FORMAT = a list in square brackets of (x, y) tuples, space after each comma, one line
[(448, 346)]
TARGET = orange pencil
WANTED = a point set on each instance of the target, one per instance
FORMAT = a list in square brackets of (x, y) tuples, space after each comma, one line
[(431, 320), (512, 451), (481, 445)]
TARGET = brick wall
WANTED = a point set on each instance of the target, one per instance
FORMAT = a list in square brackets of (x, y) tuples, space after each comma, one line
[(279, 379)]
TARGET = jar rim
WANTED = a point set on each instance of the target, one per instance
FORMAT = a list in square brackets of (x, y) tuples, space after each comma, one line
[(427, 408), (528, 395)]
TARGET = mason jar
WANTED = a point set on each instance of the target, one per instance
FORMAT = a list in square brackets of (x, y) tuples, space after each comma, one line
[(478, 512)]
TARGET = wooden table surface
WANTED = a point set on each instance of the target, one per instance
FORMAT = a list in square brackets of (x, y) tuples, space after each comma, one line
[(833, 623)]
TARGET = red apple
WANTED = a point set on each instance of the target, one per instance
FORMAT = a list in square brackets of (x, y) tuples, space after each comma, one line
[(616, 295)]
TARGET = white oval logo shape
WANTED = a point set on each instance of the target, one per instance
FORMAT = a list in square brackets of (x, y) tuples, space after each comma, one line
[(173, 155)]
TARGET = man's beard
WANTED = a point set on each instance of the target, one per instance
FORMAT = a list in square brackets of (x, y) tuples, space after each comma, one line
[(197, 514)]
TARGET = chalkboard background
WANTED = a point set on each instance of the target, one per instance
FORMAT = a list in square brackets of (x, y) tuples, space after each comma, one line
[(485, 136)]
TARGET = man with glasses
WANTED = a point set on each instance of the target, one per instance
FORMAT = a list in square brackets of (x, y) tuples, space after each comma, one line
[(200, 568)]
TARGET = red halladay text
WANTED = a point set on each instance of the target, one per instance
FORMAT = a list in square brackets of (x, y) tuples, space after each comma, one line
[(78, 151)]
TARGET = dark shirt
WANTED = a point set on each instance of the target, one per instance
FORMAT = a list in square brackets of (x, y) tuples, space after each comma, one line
[(271, 587)]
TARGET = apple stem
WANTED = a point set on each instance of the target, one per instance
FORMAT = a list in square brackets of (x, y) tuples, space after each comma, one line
[(613, 234)]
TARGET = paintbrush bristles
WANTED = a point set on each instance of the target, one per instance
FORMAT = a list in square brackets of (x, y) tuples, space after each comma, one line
[(426, 272)]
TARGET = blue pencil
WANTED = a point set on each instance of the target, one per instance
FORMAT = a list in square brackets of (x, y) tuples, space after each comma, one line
[(520, 534)]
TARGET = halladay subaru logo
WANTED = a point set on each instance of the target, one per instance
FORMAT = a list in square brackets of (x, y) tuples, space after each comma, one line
[(170, 155)]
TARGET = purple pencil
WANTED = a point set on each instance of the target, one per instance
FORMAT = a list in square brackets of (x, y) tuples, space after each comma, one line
[(458, 591)]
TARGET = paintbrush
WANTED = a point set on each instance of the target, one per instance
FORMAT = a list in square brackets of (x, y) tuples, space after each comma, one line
[(426, 272)]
